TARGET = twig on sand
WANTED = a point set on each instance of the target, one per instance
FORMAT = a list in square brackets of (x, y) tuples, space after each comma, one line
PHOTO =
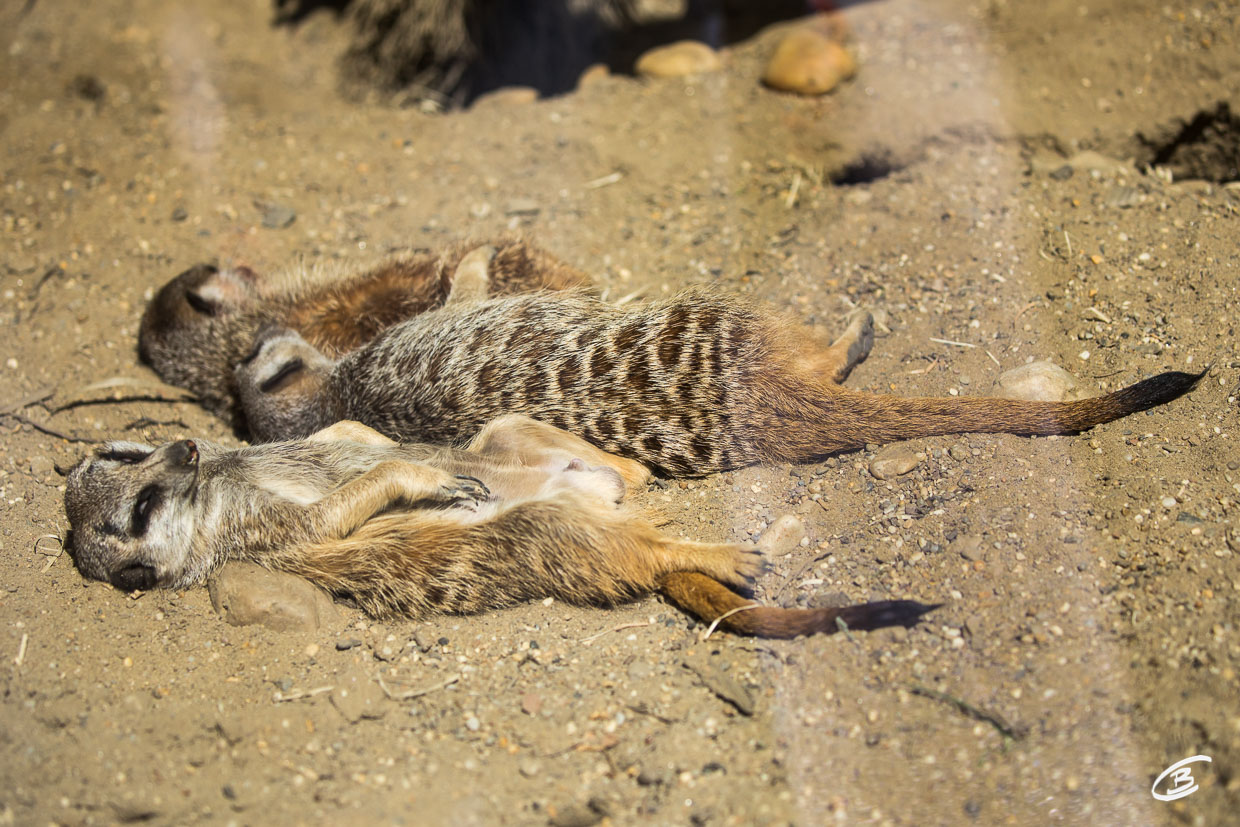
[(51, 556), (978, 714), (300, 694), (21, 650), (416, 693), (950, 342), (43, 427), (622, 626), (27, 401), (715, 624)]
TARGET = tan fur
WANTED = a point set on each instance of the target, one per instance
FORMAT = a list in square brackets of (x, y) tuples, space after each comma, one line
[(521, 514)]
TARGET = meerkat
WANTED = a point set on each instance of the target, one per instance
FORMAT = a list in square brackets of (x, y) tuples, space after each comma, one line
[(203, 321), (689, 385), (524, 512)]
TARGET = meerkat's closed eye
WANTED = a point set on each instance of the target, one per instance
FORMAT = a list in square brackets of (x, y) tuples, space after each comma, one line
[(148, 498), (282, 376), (202, 304), (128, 456)]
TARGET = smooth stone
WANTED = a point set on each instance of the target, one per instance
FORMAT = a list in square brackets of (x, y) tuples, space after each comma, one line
[(809, 63), (1041, 381), (893, 461), (245, 594), (277, 216), (782, 536), (356, 696), (687, 57), (41, 466), (968, 546)]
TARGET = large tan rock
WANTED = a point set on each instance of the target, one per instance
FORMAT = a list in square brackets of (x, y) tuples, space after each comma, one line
[(808, 62), (1041, 381), (245, 594)]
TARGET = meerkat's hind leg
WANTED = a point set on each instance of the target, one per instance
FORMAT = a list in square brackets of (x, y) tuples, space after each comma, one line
[(849, 350), (527, 441), (348, 430), (472, 279)]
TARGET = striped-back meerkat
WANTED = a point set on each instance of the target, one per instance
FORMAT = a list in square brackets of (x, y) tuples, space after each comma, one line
[(202, 322), (525, 511), (690, 385)]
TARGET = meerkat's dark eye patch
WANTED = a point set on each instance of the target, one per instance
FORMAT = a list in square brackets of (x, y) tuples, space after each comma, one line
[(129, 456), (202, 304), (148, 499), (283, 376)]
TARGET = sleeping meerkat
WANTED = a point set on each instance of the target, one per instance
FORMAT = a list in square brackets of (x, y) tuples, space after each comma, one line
[(690, 385), (203, 321), (525, 511)]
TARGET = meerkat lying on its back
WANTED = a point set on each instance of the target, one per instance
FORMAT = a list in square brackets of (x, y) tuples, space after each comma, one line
[(203, 322), (692, 384), (524, 512)]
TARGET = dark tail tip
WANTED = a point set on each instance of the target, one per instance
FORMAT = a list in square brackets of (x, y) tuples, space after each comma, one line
[(883, 613), (1163, 388)]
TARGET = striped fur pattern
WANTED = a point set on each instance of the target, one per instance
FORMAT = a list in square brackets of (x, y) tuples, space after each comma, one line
[(689, 385)]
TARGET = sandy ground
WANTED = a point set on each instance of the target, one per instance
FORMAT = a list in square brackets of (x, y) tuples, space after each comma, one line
[(1091, 583)]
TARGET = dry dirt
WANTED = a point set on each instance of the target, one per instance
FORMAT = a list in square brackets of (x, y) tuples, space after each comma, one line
[(1091, 583)]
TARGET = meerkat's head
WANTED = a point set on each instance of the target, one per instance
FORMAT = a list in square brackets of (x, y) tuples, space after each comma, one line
[(132, 513), (188, 327), (279, 383)]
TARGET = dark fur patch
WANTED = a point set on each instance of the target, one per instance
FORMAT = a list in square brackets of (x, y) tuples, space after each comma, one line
[(569, 373), (672, 337), (601, 362), (629, 336)]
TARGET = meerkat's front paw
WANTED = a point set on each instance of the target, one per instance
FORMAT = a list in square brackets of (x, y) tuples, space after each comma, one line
[(747, 565), (466, 491)]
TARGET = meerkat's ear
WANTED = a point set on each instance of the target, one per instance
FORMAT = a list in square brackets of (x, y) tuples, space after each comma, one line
[(222, 290)]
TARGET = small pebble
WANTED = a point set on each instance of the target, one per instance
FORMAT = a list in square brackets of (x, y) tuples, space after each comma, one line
[(276, 216), (529, 767), (41, 466), (347, 643), (523, 206), (1168, 502), (893, 461), (968, 546), (531, 703), (688, 57), (593, 75), (782, 536)]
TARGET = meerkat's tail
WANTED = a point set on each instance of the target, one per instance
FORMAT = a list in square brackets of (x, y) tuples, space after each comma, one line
[(842, 419), (710, 600)]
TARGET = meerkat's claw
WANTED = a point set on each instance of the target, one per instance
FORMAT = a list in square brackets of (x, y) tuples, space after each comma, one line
[(750, 563), (467, 491)]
